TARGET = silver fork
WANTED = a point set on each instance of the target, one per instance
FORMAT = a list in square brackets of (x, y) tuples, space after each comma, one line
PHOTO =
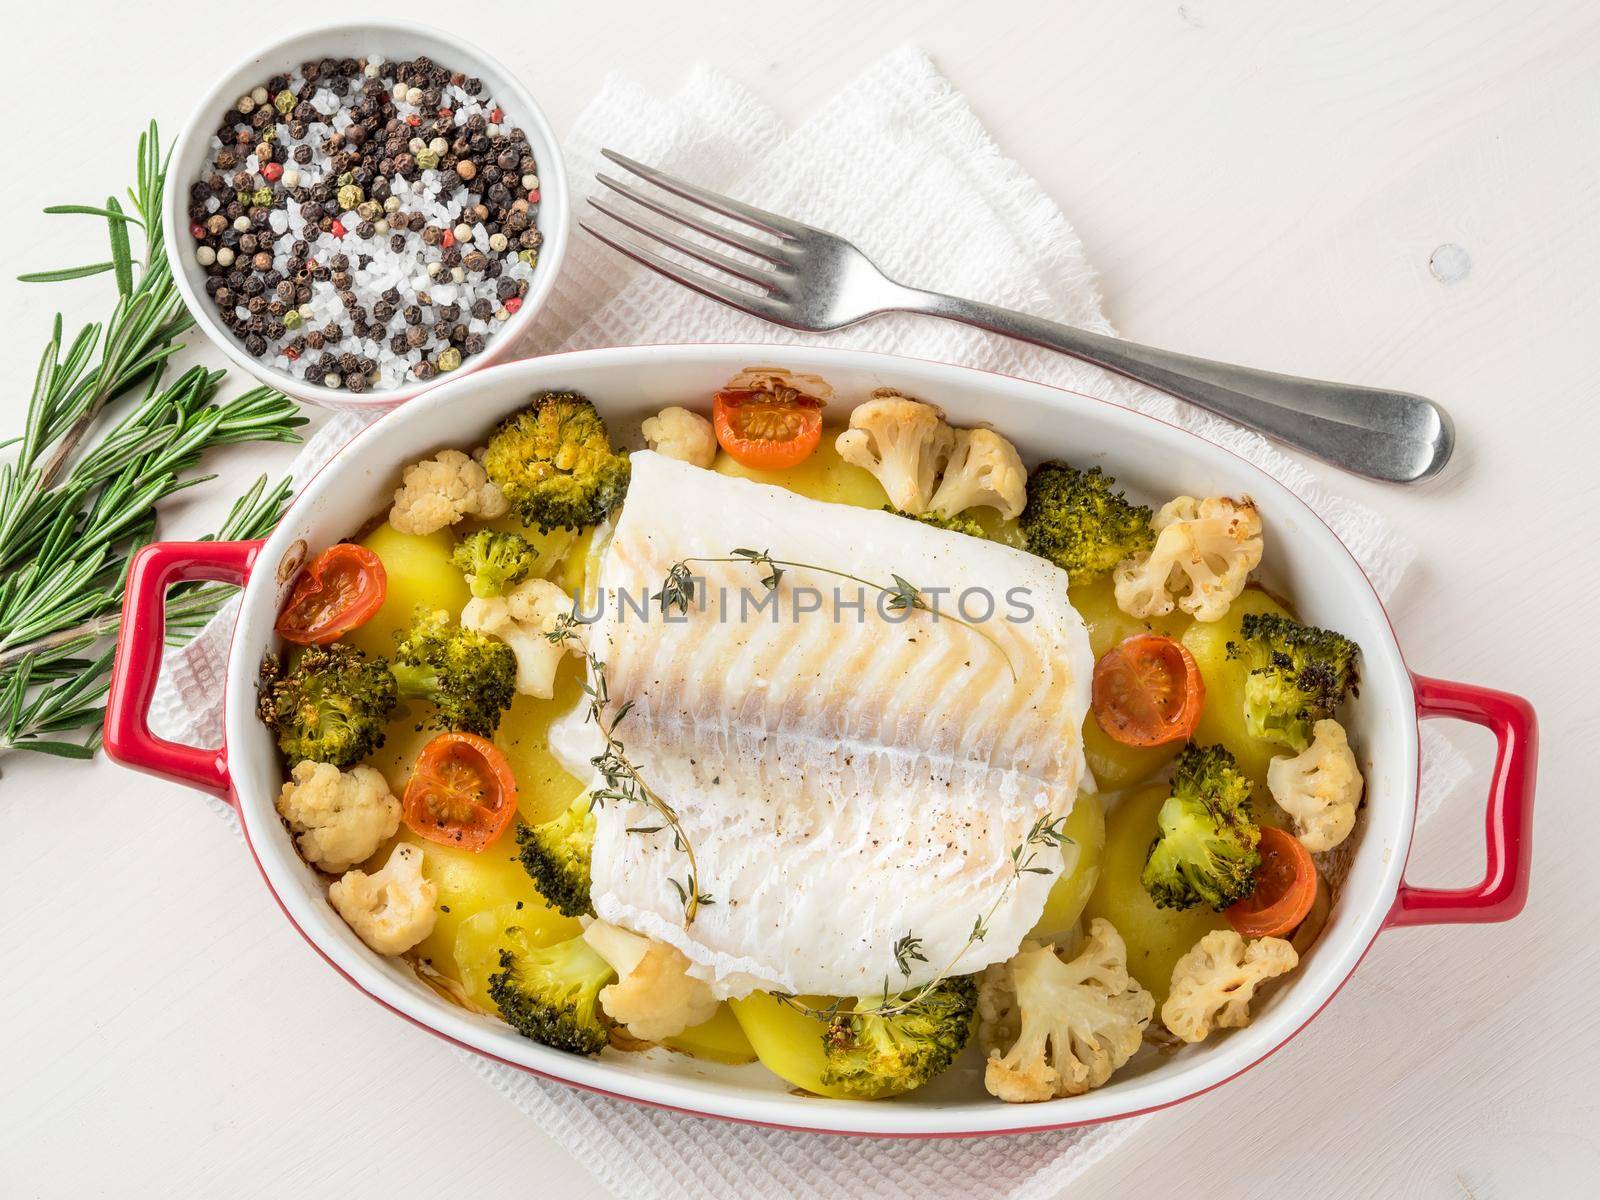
[(808, 279)]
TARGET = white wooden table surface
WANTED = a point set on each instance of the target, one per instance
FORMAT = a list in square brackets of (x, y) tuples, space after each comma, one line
[(1265, 182)]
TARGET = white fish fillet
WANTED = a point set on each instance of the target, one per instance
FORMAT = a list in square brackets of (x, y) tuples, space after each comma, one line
[(844, 782)]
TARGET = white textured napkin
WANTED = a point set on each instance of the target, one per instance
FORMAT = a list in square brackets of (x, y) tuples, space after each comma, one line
[(900, 164)]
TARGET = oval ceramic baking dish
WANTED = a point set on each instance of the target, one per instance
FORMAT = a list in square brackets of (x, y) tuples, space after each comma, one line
[(627, 384)]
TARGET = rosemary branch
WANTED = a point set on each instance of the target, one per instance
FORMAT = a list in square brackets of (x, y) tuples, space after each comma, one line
[(624, 783), (80, 496), (677, 590)]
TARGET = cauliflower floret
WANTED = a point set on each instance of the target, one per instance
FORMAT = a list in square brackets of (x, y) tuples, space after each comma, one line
[(1215, 543), (654, 996), (1058, 1028), (392, 909), (984, 468), (1212, 984), (523, 619), (341, 817), (439, 491), (1319, 787), (904, 443), (683, 435)]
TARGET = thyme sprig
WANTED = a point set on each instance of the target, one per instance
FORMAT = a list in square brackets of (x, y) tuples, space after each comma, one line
[(623, 781), (677, 589), (1046, 831), (79, 498)]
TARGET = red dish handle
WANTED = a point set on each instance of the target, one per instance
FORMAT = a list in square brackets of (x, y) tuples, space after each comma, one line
[(1509, 822), (128, 739)]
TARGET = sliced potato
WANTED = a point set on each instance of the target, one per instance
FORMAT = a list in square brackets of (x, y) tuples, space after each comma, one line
[(823, 476), (1222, 717), (788, 1043), (721, 1039), (1086, 826), (1156, 937)]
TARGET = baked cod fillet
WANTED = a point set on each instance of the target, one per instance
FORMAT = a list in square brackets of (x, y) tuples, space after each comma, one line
[(848, 775)]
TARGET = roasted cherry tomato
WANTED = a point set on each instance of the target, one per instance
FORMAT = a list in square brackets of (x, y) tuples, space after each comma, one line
[(1286, 887), (766, 432), (341, 589), (461, 792), (1147, 691)]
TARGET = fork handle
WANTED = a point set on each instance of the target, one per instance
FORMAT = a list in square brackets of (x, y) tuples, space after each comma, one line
[(1393, 436)]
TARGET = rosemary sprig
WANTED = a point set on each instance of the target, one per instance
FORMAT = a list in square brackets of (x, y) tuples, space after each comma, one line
[(623, 782), (79, 498), (677, 590), (1045, 831)]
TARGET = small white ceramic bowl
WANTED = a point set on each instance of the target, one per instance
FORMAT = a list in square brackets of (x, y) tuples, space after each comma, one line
[(394, 40)]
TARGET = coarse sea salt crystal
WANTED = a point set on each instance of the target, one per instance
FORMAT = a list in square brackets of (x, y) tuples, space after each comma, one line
[(376, 267)]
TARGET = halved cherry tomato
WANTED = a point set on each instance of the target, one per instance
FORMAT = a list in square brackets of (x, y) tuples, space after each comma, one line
[(1147, 691), (764, 431), (1286, 887), (461, 792), (342, 588)]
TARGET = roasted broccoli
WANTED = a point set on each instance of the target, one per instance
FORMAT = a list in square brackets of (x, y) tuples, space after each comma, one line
[(869, 1056), (1207, 848), (554, 462), (494, 561), (960, 523), (469, 678), (329, 707), (551, 993), (1298, 676), (1079, 521), (557, 854)]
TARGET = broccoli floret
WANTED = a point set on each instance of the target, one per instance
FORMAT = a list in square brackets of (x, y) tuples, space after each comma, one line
[(869, 1056), (551, 993), (1079, 521), (1298, 676), (554, 462), (557, 855), (960, 523), (1207, 848), (469, 678), (330, 706), (495, 561)]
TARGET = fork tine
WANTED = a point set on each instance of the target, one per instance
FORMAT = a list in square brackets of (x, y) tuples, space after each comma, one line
[(737, 209), (761, 306), (748, 272), (722, 233)]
